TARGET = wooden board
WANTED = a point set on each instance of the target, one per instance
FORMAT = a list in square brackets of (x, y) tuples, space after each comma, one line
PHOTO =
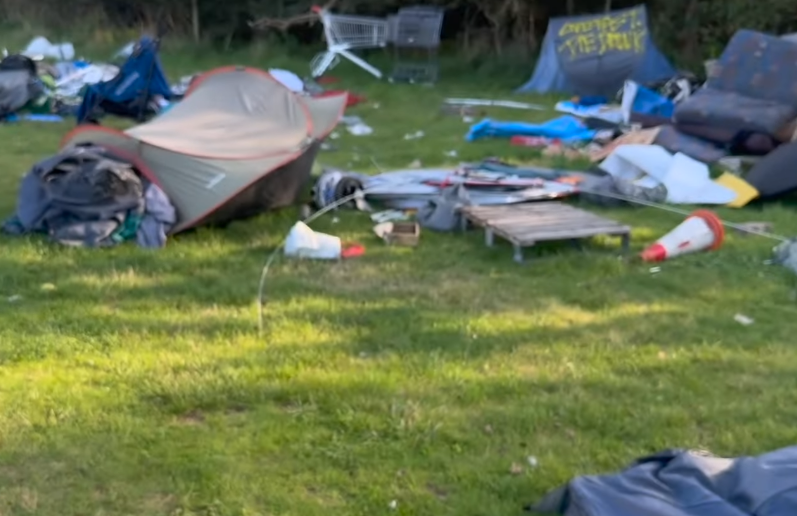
[(523, 225)]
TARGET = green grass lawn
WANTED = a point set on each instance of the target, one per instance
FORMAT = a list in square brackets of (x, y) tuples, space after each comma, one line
[(134, 382)]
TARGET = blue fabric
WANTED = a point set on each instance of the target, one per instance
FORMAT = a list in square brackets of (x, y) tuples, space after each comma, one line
[(610, 68), (565, 128), (648, 102), (593, 100), (140, 76)]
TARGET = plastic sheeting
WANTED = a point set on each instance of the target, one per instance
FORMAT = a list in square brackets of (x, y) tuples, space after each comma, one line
[(687, 180), (414, 189)]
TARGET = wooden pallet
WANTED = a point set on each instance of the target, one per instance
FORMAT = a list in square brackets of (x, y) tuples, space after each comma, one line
[(523, 225)]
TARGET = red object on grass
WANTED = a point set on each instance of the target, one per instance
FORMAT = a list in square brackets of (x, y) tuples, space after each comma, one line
[(352, 251), (352, 100), (533, 141), (327, 79)]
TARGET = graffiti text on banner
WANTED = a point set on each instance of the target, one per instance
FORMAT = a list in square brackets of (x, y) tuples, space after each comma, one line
[(624, 32)]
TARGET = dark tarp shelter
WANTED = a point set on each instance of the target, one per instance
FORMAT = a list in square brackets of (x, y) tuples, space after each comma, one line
[(682, 483), (594, 54)]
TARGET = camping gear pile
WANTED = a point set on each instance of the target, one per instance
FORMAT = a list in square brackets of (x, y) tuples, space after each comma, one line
[(239, 143)]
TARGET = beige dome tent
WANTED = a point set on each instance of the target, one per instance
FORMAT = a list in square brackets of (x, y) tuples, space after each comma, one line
[(238, 144)]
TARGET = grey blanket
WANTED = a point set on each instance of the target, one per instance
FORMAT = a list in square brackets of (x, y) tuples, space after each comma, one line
[(85, 197), (682, 483)]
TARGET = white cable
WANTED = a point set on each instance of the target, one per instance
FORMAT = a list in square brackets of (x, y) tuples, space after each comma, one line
[(275, 252)]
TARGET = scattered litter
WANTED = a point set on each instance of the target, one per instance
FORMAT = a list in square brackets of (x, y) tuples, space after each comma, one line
[(414, 136), (48, 287), (451, 153), (748, 228), (516, 469), (655, 270), (405, 234), (14, 298), (360, 129), (334, 136), (303, 242), (687, 180), (743, 319), (393, 505), (493, 103), (416, 164), (356, 126), (532, 460), (785, 254), (389, 216)]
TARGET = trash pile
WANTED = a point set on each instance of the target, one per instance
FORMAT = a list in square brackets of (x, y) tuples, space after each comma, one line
[(664, 127), (655, 143)]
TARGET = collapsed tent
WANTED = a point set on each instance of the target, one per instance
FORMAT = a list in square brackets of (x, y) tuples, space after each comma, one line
[(683, 483), (240, 143), (133, 92), (594, 54)]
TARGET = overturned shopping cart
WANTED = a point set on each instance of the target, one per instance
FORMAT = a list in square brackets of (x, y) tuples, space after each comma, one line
[(344, 33)]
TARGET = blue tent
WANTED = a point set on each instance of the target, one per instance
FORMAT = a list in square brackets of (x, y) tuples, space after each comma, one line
[(130, 93), (594, 54)]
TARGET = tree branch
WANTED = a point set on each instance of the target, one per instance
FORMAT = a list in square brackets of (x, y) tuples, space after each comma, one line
[(283, 24)]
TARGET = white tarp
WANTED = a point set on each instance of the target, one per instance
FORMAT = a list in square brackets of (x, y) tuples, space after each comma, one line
[(40, 47), (687, 180)]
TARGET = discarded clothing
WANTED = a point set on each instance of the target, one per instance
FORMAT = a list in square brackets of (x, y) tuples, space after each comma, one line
[(566, 128), (159, 218), (683, 483), (84, 196)]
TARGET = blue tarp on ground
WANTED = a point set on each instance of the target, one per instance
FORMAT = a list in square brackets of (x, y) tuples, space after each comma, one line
[(566, 128), (594, 54)]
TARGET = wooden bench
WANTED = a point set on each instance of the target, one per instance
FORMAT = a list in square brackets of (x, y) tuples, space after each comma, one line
[(523, 225)]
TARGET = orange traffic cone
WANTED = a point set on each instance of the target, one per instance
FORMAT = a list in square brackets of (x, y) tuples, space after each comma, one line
[(701, 231)]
